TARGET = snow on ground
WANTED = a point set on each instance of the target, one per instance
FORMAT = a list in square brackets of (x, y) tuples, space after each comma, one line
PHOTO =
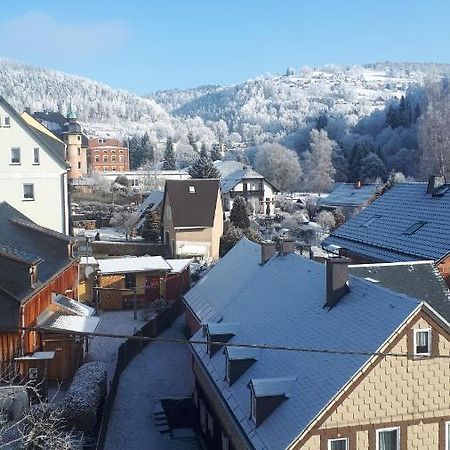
[(105, 349), (161, 370)]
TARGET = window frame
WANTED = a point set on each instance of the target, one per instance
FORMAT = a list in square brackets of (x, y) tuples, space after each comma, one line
[(11, 162), (447, 435), (6, 122), (36, 152), (381, 430), (422, 330), (28, 199), (330, 442)]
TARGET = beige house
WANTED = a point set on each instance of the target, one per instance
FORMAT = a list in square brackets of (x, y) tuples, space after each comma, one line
[(355, 366), (193, 218)]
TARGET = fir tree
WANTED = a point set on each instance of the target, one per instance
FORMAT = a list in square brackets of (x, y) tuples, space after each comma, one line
[(151, 228), (203, 167), (169, 156), (191, 141), (239, 214), (215, 152)]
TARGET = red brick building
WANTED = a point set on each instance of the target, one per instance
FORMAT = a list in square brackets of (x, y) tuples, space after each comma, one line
[(107, 155)]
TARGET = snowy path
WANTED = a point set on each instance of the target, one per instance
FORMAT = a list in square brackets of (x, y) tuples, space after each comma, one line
[(161, 370)]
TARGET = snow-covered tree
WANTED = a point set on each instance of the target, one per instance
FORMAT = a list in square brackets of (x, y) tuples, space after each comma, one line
[(372, 167), (279, 165), (169, 156), (318, 167), (239, 215)]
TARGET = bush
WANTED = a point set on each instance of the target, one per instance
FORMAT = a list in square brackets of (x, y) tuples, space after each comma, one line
[(160, 305)]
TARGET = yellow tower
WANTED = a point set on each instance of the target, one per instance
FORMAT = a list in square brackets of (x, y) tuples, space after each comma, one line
[(75, 150)]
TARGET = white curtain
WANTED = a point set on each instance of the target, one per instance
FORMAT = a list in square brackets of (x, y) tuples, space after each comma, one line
[(422, 339), (388, 440)]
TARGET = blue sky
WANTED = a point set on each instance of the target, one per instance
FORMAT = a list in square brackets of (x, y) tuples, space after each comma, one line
[(144, 45)]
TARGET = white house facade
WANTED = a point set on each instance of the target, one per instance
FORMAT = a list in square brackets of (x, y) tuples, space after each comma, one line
[(33, 171)]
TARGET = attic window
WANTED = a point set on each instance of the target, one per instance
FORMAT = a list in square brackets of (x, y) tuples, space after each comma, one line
[(191, 189), (370, 221), (219, 332), (416, 227), (422, 342), (237, 361), (338, 444)]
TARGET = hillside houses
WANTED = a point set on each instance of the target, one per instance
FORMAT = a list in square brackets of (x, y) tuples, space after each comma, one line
[(255, 397), (409, 222)]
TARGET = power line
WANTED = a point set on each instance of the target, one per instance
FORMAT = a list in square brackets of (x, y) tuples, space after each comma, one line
[(227, 344)]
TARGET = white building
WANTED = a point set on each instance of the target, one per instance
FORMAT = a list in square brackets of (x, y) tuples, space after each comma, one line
[(238, 179), (33, 169)]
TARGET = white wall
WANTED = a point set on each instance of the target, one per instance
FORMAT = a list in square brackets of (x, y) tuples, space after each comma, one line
[(49, 207)]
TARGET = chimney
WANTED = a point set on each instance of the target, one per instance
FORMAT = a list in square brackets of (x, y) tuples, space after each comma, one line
[(358, 184), (268, 249), (434, 184), (337, 279), (287, 246)]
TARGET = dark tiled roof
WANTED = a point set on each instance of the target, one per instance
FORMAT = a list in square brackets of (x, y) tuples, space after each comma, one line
[(381, 228), (348, 195), (193, 202), (28, 243), (282, 304), (419, 279)]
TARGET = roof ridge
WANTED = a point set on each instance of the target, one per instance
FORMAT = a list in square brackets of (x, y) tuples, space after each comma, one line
[(44, 230)]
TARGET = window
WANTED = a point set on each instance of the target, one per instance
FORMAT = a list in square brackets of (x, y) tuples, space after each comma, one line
[(113, 158), (225, 443), (388, 439), (79, 164), (105, 169), (28, 191), (97, 158), (416, 227), (79, 138), (36, 156), (79, 151), (422, 342), (120, 158), (130, 280), (105, 158), (338, 444), (15, 155), (447, 435), (369, 221), (6, 122), (192, 189), (210, 424), (113, 168)]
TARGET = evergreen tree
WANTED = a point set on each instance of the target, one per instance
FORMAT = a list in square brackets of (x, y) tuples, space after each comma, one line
[(191, 141), (340, 164), (372, 167), (239, 214), (169, 156), (151, 228), (147, 149), (358, 151), (215, 152), (203, 167)]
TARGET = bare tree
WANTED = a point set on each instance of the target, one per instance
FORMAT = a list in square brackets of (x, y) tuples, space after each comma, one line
[(124, 222)]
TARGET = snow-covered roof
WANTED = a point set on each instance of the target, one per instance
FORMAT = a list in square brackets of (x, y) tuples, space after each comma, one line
[(281, 304), (230, 181), (224, 280), (405, 223), (80, 324), (133, 264), (227, 167), (348, 195), (72, 306), (88, 261), (179, 265), (264, 387), (153, 200)]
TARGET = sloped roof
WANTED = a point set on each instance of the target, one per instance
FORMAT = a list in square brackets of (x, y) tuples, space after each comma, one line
[(27, 243), (228, 276), (227, 167), (348, 195), (151, 202), (230, 181), (382, 230), (419, 279), (193, 202), (282, 305), (55, 148), (133, 264)]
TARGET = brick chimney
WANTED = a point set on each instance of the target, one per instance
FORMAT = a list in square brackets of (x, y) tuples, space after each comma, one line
[(268, 249), (287, 246), (434, 184), (336, 279)]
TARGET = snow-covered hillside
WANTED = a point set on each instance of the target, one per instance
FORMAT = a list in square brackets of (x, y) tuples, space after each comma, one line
[(264, 109)]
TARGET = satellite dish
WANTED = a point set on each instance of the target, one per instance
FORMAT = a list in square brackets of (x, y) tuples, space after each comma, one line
[(88, 271)]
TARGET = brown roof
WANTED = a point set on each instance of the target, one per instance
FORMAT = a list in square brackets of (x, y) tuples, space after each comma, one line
[(193, 202)]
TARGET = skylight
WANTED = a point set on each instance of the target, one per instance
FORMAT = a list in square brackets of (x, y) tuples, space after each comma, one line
[(370, 221), (192, 189), (416, 227)]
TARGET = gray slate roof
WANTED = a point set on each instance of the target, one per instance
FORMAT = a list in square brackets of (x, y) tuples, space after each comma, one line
[(230, 181), (419, 279), (348, 195), (282, 304), (207, 298), (23, 243), (192, 209), (227, 167), (152, 201), (379, 230)]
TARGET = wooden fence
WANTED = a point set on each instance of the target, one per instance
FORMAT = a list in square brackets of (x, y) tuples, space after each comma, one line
[(127, 351)]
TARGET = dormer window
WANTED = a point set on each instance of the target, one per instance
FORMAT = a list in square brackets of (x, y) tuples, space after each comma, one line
[(237, 361), (219, 332), (422, 342), (266, 394)]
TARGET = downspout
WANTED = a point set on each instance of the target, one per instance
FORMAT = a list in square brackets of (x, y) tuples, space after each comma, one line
[(22, 324)]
